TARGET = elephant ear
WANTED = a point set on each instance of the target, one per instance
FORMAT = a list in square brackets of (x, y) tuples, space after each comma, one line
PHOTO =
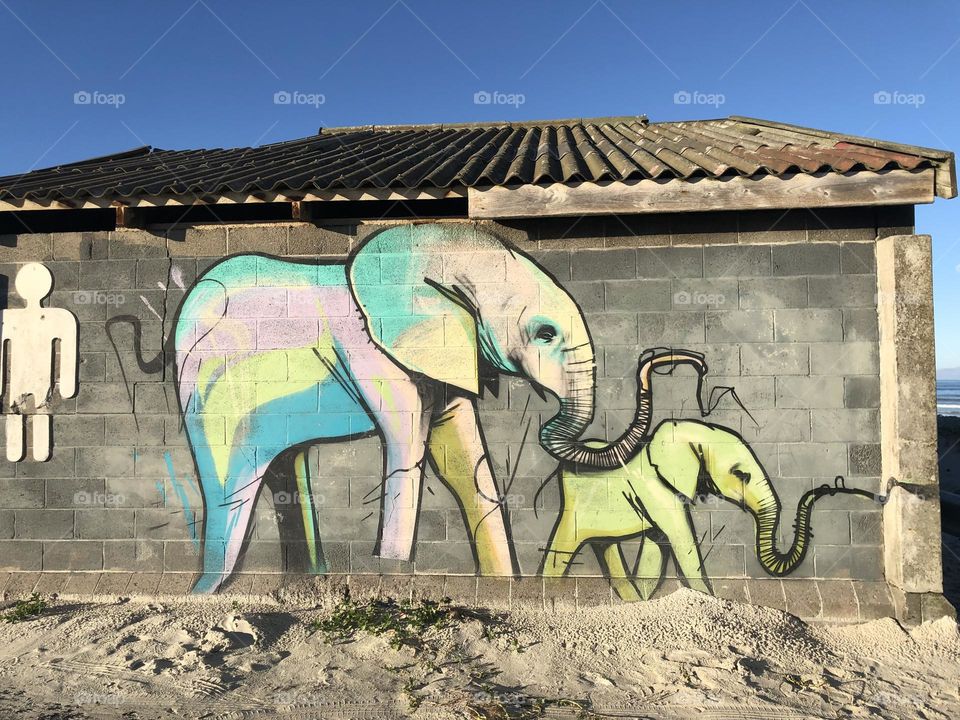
[(425, 325), (677, 460)]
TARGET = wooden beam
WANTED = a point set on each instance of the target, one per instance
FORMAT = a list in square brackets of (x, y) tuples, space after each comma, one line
[(238, 198), (894, 187)]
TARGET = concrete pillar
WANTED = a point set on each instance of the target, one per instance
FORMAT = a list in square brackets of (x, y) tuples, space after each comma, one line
[(908, 414)]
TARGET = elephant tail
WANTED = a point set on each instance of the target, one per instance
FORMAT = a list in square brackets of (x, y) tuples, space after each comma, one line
[(150, 366)]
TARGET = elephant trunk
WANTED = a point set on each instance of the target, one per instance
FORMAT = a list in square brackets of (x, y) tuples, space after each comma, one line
[(768, 521), (560, 435)]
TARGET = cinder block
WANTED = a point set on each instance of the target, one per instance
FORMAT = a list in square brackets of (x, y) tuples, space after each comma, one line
[(78, 430), (444, 557), (81, 245), (846, 425), (774, 359), (806, 259), (461, 589), (311, 240), (639, 231), (46, 524), (803, 598), (637, 295), (808, 325), (874, 600), (699, 294), (843, 291), (766, 592), (200, 241), (113, 584), (527, 593), (730, 589), (559, 594), (589, 296), (736, 260), (614, 328), (18, 494), (128, 243), (104, 399), (806, 392), (865, 459), (790, 292), (860, 562), (802, 460), (934, 606), (163, 523), (105, 461), (779, 425), (21, 584), (849, 358), (866, 527), (108, 275), (105, 523), (20, 555), (861, 392), (133, 555), (739, 326), (604, 264), (271, 239), (858, 258), (36, 247), (72, 555), (839, 600), (493, 592), (670, 329), (82, 584), (860, 325), (555, 262), (670, 262), (61, 464)]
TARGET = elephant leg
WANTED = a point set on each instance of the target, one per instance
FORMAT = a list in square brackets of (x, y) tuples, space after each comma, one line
[(405, 435), (301, 470), (649, 569), (561, 547), (458, 455), (686, 552), (614, 567)]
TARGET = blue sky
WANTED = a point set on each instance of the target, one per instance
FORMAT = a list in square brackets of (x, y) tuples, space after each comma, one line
[(206, 73)]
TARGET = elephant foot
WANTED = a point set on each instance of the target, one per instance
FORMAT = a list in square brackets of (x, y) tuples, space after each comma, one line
[(208, 584)]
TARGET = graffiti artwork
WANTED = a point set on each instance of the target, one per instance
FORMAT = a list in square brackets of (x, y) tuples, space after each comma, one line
[(31, 337), (273, 356)]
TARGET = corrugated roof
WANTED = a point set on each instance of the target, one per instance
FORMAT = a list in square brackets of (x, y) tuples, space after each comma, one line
[(478, 155)]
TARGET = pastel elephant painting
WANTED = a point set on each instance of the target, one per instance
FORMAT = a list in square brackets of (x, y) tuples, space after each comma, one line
[(650, 497), (274, 354)]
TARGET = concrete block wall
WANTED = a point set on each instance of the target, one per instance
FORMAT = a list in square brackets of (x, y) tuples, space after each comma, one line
[(783, 310)]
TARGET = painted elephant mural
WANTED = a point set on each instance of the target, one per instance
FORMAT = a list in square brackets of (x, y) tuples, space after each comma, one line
[(273, 354)]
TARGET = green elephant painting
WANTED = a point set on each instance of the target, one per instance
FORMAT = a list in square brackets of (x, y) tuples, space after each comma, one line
[(650, 498)]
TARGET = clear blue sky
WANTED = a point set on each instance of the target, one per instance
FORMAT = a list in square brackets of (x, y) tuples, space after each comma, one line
[(205, 73)]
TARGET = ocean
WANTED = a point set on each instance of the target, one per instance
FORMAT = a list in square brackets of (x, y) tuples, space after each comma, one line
[(948, 397)]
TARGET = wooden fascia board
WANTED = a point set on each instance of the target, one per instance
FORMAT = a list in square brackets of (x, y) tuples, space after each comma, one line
[(893, 187)]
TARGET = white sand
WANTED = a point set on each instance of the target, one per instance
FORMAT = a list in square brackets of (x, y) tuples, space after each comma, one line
[(684, 656)]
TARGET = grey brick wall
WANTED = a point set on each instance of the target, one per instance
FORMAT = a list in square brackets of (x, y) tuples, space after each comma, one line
[(784, 312)]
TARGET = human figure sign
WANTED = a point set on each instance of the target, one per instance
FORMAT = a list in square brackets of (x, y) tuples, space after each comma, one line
[(28, 343)]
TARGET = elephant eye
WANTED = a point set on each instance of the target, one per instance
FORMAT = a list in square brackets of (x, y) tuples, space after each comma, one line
[(546, 333), (741, 475)]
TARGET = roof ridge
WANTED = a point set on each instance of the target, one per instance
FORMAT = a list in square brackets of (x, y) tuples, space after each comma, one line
[(612, 119)]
